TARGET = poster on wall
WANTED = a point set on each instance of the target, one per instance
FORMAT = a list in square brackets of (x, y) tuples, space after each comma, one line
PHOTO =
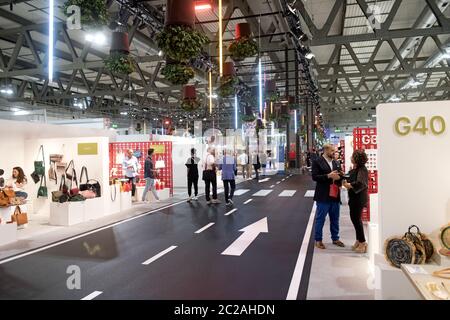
[(366, 139), (88, 149), (162, 159)]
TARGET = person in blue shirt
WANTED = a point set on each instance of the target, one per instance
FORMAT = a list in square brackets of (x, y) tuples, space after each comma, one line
[(228, 167)]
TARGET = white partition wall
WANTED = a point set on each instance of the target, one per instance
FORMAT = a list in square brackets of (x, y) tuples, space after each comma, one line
[(414, 183)]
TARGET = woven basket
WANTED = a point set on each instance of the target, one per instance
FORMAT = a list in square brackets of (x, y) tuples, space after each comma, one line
[(399, 250)]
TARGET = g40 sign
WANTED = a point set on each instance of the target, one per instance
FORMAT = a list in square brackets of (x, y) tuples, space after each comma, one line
[(435, 125), (369, 139), (74, 17)]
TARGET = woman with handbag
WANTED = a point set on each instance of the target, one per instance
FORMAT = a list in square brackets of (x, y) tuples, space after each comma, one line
[(357, 186), (131, 167), (18, 182), (210, 177)]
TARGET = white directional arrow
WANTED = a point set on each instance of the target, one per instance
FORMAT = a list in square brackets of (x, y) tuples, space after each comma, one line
[(251, 232)]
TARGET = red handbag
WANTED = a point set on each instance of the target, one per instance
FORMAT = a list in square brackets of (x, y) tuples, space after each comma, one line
[(334, 190)]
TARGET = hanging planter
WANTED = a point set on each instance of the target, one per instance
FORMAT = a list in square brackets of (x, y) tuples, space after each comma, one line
[(119, 43), (180, 13), (94, 13), (190, 102), (247, 115), (228, 81), (178, 73), (181, 43), (120, 63), (243, 46)]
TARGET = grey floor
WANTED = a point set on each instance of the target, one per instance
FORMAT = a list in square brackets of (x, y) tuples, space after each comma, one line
[(339, 273)]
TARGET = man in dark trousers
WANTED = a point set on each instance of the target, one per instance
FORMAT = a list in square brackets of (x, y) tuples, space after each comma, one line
[(326, 172), (192, 174)]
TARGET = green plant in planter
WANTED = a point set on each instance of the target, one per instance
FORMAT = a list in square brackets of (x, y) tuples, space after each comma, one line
[(226, 89), (178, 73), (94, 13), (181, 43), (190, 105), (273, 96), (294, 106), (284, 117), (248, 117), (243, 48), (120, 63), (272, 117)]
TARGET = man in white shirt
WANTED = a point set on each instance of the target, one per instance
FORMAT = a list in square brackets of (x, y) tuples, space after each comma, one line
[(210, 176), (243, 163), (131, 167)]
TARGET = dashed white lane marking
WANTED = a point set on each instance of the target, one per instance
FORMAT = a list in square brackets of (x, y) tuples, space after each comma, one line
[(287, 193), (93, 295), (264, 180), (278, 182), (248, 201), (159, 255), (240, 192), (262, 193), (204, 228), (309, 194), (272, 186), (298, 271), (230, 212)]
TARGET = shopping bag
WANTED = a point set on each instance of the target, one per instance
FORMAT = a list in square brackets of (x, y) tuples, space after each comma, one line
[(19, 217), (334, 190), (160, 164)]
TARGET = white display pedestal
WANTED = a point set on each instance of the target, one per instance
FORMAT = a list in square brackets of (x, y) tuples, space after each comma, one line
[(392, 283), (67, 214), (93, 209), (374, 244), (125, 200), (163, 194), (114, 205), (8, 233), (7, 212)]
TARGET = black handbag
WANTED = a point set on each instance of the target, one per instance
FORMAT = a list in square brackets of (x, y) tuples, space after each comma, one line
[(39, 166), (35, 177), (90, 184), (69, 176), (43, 191)]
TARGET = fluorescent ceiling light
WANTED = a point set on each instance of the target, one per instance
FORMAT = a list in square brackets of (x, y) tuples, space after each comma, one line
[(369, 120), (124, 113), (21, 113), (203, 6), (97, 38), (394, 99), (414, 83)]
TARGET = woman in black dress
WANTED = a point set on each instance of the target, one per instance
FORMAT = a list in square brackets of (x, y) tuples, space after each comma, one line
[(357, 185)]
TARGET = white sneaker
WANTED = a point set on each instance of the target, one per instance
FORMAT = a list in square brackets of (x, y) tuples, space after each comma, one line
[(195, 198), (189, 199)]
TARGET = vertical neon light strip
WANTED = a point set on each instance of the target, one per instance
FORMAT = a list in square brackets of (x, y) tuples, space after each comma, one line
[(260, 87), (220, 39), (50, 39), (235, 112), (210, 93), (295, 121)]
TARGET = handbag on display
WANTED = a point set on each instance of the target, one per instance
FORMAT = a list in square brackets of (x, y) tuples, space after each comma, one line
[(126, 187), (42, 191), (160, 164), (19, 217), (426, 242), (88, 194), (61, 195), (76, 198), (69, 173), (334, 190), (113, 198), (35, 177), (90, 184), (17, 201), (54, 157), (5, 200), (39, 166)]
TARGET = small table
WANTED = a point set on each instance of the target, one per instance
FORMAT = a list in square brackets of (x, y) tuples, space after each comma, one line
[(419, 275)]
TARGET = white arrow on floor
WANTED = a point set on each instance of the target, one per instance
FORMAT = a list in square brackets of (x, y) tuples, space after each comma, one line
[(251, 232), (264, 180)]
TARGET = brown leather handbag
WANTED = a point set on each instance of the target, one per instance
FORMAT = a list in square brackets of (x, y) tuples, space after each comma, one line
[(20, 217)]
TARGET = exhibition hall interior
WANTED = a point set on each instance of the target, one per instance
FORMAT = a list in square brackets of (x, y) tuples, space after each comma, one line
[(215, 150)]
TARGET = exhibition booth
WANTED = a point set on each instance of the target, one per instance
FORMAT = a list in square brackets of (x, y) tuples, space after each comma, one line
[(414, 189)]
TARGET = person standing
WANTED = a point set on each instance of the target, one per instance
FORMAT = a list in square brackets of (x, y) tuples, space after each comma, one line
[(18, 182), (263, 160), (210, 177), (131, 166), (192, 174), (357, 186), (243, 163), (256, 164), (150, 176), (326, 174), (228, 167)]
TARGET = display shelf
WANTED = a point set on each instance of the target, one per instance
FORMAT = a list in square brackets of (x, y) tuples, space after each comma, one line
[(420, 275), (94, 209), (8, 233), (125, 201), (67, 214)]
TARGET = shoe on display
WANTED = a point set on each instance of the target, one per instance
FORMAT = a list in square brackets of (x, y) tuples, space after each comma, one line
[(320, 245), (362, 248), (355, 245), (339, 243)]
